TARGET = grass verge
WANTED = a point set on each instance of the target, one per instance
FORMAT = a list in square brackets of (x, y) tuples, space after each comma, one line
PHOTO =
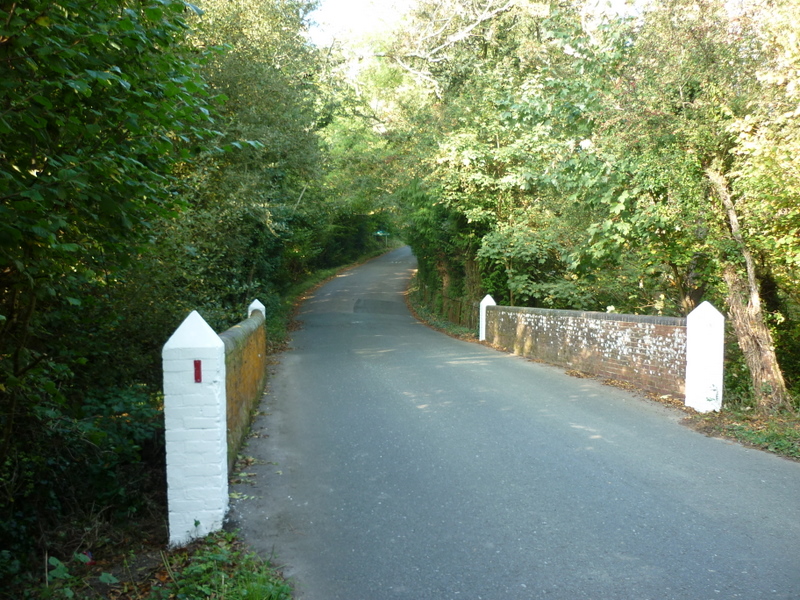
[(218, 567), (778, 433)]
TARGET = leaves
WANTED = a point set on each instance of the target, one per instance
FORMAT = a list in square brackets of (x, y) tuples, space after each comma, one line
[(591, 137), (90, 146), (113, 176)]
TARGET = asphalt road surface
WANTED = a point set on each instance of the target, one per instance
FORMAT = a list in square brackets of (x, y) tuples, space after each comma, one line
[(396, 462)]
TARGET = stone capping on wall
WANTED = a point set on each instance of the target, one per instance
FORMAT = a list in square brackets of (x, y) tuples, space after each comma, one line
[(196, 387), (663, 355), (606, 316), (245, 364)]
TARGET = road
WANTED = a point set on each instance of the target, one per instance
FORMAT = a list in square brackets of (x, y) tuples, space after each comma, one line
[(396, 462)]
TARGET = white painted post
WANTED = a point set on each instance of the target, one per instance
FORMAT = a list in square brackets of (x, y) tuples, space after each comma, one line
[(487, 301), (196, 430), (705, 352), (256, 305)]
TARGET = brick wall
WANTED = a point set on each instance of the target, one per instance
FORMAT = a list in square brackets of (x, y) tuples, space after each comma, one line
[(246, 376), (647, 351)]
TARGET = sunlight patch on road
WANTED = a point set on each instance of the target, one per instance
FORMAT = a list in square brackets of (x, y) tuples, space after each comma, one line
[(593, 433)]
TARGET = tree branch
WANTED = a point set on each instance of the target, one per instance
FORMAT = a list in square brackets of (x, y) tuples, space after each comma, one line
[(420, 75), (460, 35), (452, 39), (720, 186)]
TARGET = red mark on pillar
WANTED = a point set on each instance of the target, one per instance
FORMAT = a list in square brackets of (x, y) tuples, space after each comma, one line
[(198, 371)]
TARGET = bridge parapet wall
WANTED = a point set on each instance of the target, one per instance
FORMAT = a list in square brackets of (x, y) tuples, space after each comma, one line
[(649, 352)]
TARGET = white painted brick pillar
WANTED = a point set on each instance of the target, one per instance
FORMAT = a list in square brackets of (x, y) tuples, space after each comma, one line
[(254, 306), (705, 353), (196, 430), (487, 301)]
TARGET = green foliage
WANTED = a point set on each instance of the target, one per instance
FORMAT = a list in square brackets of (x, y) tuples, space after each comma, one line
[(527, 258), (63, 583), (778, 433), (100, 102), (580, 160), (263, 215), (221, 568), (120, 425), (428, 230), (67, 463), (269, 78)]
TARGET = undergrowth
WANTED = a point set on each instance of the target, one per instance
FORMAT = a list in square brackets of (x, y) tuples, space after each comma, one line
[(434, 319), (217, 568), (778, 433), (441, 324)]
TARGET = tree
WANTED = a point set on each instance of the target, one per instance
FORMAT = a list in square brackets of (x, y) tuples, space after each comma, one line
[(648, 147), (269, 76), (100, 102), (685, 97)]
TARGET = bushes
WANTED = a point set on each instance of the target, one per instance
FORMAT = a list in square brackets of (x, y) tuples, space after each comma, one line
[(99, 101), (71, 470)]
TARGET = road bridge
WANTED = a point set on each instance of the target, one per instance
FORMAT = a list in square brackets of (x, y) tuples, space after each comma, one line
[(397, 462)]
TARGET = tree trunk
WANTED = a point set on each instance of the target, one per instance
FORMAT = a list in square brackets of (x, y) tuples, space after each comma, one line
[(747, 318), (755, 340), (472, 278)]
